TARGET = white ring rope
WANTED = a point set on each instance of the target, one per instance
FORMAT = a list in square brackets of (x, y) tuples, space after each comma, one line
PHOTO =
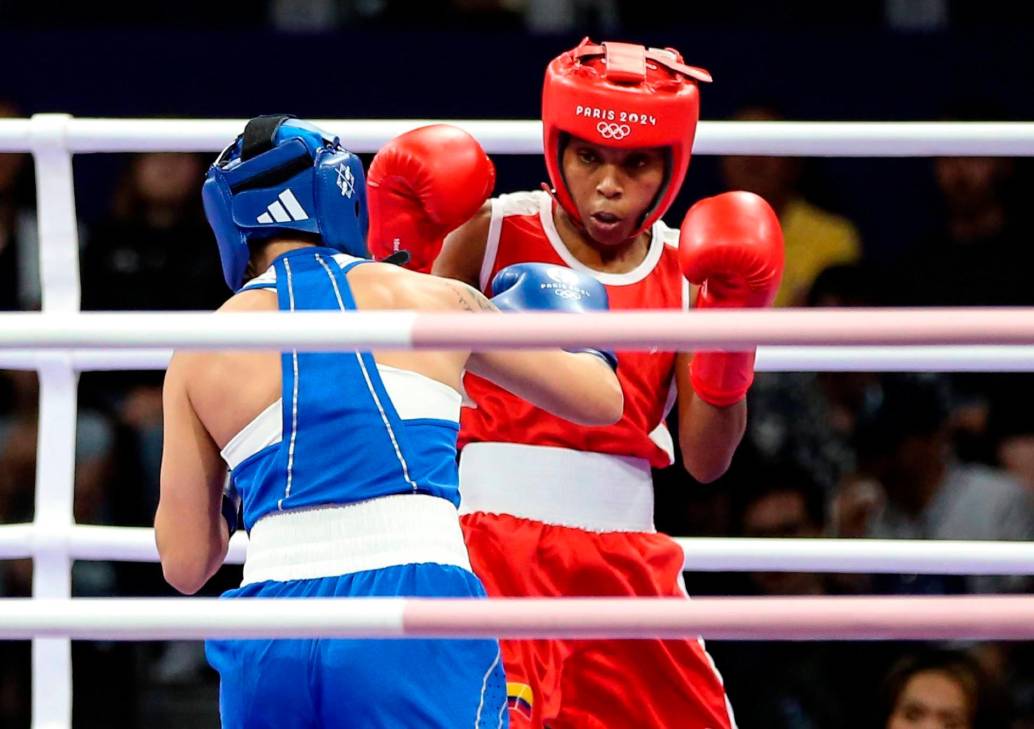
[(906, 358), (782, 618), (726, 328), (822, 139), (876, 556)]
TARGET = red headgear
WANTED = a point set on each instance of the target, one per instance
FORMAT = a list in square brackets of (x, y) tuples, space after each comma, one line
[(621, 95)]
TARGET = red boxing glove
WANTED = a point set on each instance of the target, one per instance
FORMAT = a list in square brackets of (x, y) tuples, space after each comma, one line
[(422, 185), (732, 246)]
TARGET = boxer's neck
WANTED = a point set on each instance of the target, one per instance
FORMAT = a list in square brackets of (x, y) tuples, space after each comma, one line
[(263, 255), (621, 258)]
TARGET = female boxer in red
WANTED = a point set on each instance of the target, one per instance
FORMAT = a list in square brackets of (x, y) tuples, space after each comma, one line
[(557, 510)]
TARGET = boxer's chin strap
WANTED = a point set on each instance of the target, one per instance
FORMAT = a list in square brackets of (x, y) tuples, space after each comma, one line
[(576, 221), (398, 258)]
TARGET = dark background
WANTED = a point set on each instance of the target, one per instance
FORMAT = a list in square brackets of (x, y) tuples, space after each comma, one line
[(855, 69)]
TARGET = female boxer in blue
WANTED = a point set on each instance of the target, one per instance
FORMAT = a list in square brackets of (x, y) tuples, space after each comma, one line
[(345, 463)]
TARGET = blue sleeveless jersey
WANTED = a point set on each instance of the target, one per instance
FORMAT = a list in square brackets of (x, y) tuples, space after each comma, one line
[(341, 438)]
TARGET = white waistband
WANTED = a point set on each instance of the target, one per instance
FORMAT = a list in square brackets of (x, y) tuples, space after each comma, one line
[(593, 491), (338, 540)]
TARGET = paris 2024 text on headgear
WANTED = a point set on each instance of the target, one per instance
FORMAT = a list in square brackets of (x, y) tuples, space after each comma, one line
[(621, 95)]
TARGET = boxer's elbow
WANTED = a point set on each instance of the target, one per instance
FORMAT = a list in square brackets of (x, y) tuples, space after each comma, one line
[(614, 403), (707, 458), (709, 436), (185, 573), (605, 406), (187, 565), (707, 468)]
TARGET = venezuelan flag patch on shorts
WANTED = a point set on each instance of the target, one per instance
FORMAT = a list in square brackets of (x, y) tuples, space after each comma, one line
[(519, 697)]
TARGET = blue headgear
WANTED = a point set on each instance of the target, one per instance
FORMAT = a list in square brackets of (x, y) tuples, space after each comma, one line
[(284, 176)]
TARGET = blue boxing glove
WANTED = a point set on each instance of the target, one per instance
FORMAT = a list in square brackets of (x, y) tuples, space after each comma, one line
[(546, 287), (231, 505)]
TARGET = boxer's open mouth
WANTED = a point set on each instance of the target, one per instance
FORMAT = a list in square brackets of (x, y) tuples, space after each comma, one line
[(606, 223)]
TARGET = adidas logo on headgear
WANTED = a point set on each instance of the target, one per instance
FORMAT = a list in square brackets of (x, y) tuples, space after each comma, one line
[(290, 210)]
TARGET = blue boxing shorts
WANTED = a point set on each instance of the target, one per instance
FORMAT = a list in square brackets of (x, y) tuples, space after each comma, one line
[(375, 684)]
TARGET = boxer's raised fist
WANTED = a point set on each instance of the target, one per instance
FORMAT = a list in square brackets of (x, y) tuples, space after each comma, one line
[(422, 185), (731, 245)]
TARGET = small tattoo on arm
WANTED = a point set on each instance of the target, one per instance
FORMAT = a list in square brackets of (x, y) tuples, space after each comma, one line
[(482, 301), (463, 301), (471, 299)]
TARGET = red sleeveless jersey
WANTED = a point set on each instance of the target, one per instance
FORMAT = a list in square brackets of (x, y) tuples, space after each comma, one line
[(522, 230)]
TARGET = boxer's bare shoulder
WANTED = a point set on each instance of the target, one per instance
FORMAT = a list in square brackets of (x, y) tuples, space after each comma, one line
[(384, 286), (464, 250)]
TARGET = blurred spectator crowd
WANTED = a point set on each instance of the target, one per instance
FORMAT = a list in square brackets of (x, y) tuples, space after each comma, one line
[(914, 456), (541, 16), (893, 456)]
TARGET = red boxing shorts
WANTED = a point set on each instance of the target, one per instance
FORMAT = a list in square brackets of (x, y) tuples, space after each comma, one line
[(592, 684)]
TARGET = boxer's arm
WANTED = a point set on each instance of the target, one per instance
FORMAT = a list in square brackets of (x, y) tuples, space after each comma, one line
[(708, 435), (463, 253), (191, 535), (731, 245), (577, 386)]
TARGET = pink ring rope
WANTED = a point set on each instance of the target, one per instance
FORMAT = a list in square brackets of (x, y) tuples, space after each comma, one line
[(785, 618), (671, 330), (733, 328), (728, 618)]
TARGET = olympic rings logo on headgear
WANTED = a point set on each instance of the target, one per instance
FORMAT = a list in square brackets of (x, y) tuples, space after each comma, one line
[(610, 130)]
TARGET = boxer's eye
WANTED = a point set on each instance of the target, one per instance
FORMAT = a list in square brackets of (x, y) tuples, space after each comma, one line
[(636, 161), (587, 156)]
